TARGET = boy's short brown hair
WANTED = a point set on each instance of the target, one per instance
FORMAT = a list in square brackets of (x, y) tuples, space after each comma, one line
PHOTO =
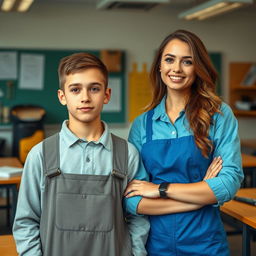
[(78, 62)]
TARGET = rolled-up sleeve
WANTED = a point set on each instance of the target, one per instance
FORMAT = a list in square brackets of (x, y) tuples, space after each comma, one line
[(224, 134), (131, 203)]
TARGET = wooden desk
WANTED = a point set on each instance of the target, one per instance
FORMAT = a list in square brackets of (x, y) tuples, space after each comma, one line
[(245, 213), (11, 184), (249, 143), (7, 246), (249, 162)]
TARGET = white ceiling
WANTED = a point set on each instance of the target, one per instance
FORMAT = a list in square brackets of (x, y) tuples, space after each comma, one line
[(93, 2)]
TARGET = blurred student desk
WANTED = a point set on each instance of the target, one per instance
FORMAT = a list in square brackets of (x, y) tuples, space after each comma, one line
[(11, 183), (244, 213), (249, 163), (249, 143), (7, 246)]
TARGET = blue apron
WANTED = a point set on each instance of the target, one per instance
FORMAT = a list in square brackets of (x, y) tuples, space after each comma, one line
[(198, 232)]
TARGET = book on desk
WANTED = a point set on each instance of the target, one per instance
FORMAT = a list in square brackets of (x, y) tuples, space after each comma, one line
[(9, 171), (246, 200)]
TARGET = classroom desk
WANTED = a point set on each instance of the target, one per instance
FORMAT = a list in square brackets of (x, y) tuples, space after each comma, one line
[(7, 246), (249, 161), (249, 143), (11, 184), (245, 213)]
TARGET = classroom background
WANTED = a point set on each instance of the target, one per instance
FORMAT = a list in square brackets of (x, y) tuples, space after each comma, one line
[(75, 25)]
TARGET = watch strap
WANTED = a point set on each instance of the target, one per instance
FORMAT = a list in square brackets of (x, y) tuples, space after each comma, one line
[(162, 189)]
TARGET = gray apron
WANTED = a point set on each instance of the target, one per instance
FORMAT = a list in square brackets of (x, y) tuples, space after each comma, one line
[(82, 215)]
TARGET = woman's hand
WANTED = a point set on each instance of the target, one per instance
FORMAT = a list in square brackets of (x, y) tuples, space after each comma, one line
[(214, 168), (142, 188)]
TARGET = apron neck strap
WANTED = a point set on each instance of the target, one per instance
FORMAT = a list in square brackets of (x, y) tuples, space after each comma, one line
[(149, 130), (120, 156), (51, 156)]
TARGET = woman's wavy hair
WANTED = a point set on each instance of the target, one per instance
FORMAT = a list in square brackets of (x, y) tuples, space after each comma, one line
[(203, 102)]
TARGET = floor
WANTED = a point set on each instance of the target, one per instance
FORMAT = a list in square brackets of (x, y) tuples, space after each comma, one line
[(235, 241)]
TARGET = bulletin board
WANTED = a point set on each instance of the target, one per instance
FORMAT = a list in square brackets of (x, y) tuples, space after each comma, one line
[(47, 97)]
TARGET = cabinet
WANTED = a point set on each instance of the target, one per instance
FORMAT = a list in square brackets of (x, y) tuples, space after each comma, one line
[(237, 91)]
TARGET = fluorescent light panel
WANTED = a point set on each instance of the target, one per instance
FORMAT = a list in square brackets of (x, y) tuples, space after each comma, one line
[(212, 8), (219, 11), (22, 5), (7, 5)]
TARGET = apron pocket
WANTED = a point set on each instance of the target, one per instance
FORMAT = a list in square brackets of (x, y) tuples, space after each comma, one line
[(85, 213)]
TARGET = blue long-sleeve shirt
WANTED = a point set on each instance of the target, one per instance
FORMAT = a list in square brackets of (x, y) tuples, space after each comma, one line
[(78, 156), (223, 134)]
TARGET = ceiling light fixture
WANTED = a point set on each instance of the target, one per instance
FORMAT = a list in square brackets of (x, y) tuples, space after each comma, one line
[(7, 5), (24, 5), (212, 8), (16, 5)]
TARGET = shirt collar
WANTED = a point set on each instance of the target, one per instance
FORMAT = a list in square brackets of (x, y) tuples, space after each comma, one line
[(105, 138), (160, 111), (70, 138)]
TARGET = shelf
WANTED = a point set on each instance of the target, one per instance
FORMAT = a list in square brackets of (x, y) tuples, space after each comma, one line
[(248, 113), (239, 92), (244, 88)]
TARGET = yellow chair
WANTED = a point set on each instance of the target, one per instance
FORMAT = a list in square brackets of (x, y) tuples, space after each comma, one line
[(27, 143)]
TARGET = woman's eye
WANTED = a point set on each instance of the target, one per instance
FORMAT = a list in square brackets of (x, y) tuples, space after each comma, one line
[(169, 60), (187, 62)]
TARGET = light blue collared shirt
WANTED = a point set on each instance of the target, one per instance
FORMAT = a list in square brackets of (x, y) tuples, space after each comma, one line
[(223, 134), (77, 156)]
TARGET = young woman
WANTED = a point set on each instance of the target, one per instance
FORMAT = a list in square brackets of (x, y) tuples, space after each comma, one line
[(186, 127)]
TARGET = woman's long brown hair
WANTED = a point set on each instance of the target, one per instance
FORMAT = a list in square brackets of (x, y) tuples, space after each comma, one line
[(203, 102)]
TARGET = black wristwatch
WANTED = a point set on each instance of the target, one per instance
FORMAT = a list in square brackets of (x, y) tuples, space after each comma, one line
[(163, 188)]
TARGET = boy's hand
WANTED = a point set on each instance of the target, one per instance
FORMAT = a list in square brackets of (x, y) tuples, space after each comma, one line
[(142, 188), (214, 168)]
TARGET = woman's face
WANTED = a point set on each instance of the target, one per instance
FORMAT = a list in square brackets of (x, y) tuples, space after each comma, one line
[(177, 67)]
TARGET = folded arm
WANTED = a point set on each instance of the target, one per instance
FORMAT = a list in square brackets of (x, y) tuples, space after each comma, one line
[(182, 197)]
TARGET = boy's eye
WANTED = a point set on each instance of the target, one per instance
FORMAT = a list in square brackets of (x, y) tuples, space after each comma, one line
[(94, 89), (75, 90)]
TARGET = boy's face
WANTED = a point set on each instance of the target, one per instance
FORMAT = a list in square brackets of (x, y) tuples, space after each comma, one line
[(85, 94)]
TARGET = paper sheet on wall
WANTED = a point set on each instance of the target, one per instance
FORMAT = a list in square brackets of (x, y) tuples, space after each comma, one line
[(8, 65), (114, 104), (31, 72), (139, 91)]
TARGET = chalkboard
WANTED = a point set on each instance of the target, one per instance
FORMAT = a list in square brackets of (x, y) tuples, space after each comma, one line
[(217, 62), (47, 98)]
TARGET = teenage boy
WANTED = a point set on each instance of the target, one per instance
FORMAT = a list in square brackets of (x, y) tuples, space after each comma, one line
[(70, 198)]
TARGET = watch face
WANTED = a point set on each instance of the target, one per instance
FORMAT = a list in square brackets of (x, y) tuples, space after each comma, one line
[(162, 189)]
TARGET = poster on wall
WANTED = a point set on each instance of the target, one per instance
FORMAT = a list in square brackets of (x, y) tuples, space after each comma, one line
[(8, 65), (31, 71)]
